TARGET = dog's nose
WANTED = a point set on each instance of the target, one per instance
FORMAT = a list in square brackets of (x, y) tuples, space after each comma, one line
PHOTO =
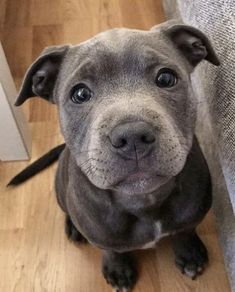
[(132, 140)]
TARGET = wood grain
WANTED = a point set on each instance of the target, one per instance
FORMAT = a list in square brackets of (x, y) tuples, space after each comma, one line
[(35, 254)]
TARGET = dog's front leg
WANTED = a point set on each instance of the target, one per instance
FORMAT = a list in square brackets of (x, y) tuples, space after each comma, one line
[(190, 253), (119, 270), (72, 233)]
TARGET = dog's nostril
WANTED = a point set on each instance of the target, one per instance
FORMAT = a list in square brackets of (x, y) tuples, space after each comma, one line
[(129, 139), (120, 143), (147, 139)]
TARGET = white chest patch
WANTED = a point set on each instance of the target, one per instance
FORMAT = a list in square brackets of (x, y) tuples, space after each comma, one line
[(158, 235)]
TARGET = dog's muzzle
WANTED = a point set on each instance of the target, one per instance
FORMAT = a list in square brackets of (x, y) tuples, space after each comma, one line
[(133, 140)]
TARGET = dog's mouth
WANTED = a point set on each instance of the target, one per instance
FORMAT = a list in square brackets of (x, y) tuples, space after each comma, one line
[(140, 182), (140, 176)]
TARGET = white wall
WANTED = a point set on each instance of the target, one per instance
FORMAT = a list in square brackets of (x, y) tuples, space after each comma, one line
[(15, 138)]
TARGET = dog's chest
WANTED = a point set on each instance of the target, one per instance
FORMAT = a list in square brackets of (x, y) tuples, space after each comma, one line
[(126, 235), (158, 234), (120, 224), (134, 232)]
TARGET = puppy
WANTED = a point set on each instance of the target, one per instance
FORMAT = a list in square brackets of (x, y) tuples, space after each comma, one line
[(131, 171)]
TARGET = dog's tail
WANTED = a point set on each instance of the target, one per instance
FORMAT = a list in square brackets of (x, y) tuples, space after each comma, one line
[(38, 165)]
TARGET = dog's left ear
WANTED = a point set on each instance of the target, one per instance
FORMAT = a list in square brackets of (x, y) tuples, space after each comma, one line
[(40, 78), (192, 43)]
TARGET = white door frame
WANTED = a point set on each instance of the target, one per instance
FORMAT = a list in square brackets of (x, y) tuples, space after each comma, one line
[(15, 138)]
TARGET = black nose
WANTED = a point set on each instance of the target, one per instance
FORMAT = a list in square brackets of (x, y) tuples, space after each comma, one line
[(132, 140)]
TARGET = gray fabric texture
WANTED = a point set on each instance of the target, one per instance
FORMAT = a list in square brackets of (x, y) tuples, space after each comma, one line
[(214, 87)]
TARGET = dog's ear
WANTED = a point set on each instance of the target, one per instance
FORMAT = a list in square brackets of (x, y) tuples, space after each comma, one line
[(40, 78), (192, 43)]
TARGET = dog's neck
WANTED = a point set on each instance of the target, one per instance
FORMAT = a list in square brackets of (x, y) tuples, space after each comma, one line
[(139, 204)]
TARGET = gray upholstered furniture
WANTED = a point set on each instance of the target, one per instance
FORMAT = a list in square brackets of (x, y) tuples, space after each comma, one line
[(215, 88)]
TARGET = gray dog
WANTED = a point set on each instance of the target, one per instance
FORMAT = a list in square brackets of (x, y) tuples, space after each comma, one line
[(132, 171)]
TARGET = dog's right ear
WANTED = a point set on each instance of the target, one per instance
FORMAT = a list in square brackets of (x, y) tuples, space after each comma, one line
[(40, 78)]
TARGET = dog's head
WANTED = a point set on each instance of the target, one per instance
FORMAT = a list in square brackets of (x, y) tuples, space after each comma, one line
[(126, 106)]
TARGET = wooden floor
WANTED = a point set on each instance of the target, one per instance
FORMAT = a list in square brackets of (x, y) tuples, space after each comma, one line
[(34, 252)]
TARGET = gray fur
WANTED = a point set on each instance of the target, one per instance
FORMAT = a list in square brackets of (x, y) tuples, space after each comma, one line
[(118, 204)]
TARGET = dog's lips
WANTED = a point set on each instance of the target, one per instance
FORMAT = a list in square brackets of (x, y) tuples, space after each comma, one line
[(141, 182), (139, 175)]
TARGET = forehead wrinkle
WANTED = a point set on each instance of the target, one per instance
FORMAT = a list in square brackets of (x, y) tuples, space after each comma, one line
[(87, 69), (102, 60), (99, 58), (152, 57)]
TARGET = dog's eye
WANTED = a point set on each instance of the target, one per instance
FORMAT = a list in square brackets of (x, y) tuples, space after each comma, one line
[(166, 78), (81, 93)]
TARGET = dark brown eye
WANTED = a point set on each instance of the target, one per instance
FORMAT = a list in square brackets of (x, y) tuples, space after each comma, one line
[(81, 93), (166, 78)]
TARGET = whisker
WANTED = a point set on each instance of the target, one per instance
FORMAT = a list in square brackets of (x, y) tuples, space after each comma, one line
[(87, 168), (86, 161), (90, 150), (99, 128), (90, 170)]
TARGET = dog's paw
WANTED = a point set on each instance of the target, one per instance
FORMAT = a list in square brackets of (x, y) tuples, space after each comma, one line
[(120, 273), (72, 232), (191, 257)]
